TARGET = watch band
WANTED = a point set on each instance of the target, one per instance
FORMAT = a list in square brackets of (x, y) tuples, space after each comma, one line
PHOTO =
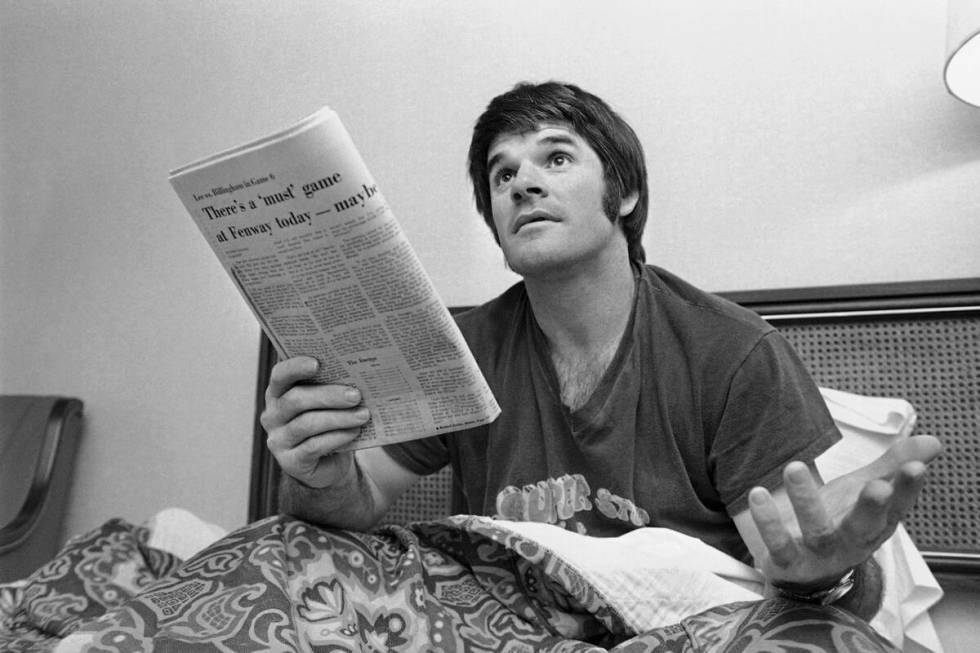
[(826, 596)]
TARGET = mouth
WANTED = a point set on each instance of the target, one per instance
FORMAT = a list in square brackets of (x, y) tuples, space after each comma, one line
[(531, 217)]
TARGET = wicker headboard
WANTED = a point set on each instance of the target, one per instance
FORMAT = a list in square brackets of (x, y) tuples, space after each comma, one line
[(919, 341)]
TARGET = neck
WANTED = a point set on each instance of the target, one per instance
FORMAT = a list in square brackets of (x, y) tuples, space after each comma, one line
[(583, 313)]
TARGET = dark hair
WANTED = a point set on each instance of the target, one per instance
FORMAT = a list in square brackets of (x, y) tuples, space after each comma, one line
[(527, 106)]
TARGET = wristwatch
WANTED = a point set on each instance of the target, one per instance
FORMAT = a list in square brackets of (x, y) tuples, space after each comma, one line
[(826, 596)]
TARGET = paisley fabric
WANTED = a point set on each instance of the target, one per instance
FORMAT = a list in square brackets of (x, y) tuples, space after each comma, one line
[(458, 584), (92, 574)]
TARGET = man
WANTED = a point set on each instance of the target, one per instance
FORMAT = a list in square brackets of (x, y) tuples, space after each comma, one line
[(629, 398)]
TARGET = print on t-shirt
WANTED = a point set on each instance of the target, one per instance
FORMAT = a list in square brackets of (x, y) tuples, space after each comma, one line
[(556, 500)]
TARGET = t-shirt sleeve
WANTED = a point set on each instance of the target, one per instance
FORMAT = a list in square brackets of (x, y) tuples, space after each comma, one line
[(425, 456), (774, 414)]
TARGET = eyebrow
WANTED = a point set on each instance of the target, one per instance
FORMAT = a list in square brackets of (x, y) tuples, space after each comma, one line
[(556, 139)]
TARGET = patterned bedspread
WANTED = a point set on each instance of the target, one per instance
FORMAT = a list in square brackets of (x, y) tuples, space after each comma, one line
[(460, 584)]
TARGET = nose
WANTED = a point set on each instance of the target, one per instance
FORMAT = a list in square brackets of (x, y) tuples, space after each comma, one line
[(528, 181)]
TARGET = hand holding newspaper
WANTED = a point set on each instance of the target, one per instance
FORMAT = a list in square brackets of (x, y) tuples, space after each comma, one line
[(299, 223)]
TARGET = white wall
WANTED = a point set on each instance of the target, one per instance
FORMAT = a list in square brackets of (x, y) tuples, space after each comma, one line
[(790, 144)]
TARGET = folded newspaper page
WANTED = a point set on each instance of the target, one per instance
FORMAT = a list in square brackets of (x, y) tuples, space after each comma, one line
[(300, 225)]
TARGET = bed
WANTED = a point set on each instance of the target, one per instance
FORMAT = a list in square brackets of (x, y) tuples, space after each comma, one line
[(426, 580), (918, 341)]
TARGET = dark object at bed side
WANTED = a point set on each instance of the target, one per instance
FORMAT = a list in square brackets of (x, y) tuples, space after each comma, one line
[(38, 439), (919, 341)]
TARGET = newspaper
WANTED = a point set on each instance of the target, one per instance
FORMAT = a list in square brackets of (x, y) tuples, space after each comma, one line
[(300, 225)]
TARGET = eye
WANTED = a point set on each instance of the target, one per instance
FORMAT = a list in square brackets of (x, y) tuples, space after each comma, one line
[(502, 176), (559, 159)]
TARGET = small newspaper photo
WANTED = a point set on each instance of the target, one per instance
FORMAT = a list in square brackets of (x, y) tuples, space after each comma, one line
[(301, 227)]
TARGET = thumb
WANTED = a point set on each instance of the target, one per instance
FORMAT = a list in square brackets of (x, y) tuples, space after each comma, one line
[(921, 448)]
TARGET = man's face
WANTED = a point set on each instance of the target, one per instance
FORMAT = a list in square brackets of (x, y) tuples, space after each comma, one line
[(546, 193)]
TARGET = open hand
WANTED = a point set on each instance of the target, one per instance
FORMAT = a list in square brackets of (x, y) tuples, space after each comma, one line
[(813, 534)]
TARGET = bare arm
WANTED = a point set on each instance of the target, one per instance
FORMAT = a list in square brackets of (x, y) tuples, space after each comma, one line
[(307, 424)]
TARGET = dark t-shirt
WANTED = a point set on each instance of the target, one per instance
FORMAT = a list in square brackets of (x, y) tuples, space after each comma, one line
[(703, 400)]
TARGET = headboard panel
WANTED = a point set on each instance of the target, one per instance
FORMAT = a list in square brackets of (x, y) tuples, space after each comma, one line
[(933, 362), (918, 341)]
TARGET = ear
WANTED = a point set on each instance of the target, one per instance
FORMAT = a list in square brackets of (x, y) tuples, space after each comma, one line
[(628, 203)]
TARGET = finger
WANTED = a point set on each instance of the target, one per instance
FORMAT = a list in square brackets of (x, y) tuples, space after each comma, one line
[(311, 450), (285, 374), (772, 529), (816, 526), (924, 448), (867, 525), (907, 485), (301, 398), (312, 423), (317, 463), (921, 448)]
